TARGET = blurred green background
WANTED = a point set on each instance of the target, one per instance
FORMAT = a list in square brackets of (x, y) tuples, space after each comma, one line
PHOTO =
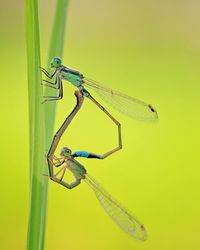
[(148, 49)]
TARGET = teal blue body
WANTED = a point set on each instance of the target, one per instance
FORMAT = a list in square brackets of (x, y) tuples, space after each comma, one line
[(74, 79), (82, 154)]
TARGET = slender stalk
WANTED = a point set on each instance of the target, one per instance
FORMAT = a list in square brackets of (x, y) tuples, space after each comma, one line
[(55, 50), (36, 127), (41, 126)]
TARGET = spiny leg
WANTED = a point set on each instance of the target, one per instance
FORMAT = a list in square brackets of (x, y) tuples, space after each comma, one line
[(65, 184), (47, 73), (50, 84), (53, 164), (59, 171), (58, 159), (63, 173), (60, 95), (118, 125), (60, 180)]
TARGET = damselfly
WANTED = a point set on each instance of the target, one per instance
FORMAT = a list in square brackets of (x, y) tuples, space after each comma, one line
[(124, 219), (125, 104)]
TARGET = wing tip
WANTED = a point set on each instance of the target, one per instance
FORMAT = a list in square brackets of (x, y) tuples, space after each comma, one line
[(142, 234), (153, 111)]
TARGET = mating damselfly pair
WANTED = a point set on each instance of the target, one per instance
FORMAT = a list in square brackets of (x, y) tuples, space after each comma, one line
[(128, 105)]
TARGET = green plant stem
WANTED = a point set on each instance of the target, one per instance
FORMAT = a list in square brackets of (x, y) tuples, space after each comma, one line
[(36, 127), (55, 50), (40, 124)]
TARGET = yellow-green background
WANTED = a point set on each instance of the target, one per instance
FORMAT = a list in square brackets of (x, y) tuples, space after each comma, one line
[(148, 49)]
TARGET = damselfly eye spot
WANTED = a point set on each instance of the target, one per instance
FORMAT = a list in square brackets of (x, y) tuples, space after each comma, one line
[(151, 108), (65, 151)]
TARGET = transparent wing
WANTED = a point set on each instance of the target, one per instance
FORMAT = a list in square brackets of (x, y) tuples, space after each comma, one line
[(125, 220), (125, 104)]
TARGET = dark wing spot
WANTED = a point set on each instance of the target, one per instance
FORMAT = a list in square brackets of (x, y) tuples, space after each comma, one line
[(151, 108), (142, 228)]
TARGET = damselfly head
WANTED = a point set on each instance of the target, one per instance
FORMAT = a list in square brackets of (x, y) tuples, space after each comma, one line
[(56, 62), (65, 151)]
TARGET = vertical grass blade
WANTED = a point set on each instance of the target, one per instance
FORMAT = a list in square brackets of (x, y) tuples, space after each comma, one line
[(41, 124), (55, 50), (36, 128)]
